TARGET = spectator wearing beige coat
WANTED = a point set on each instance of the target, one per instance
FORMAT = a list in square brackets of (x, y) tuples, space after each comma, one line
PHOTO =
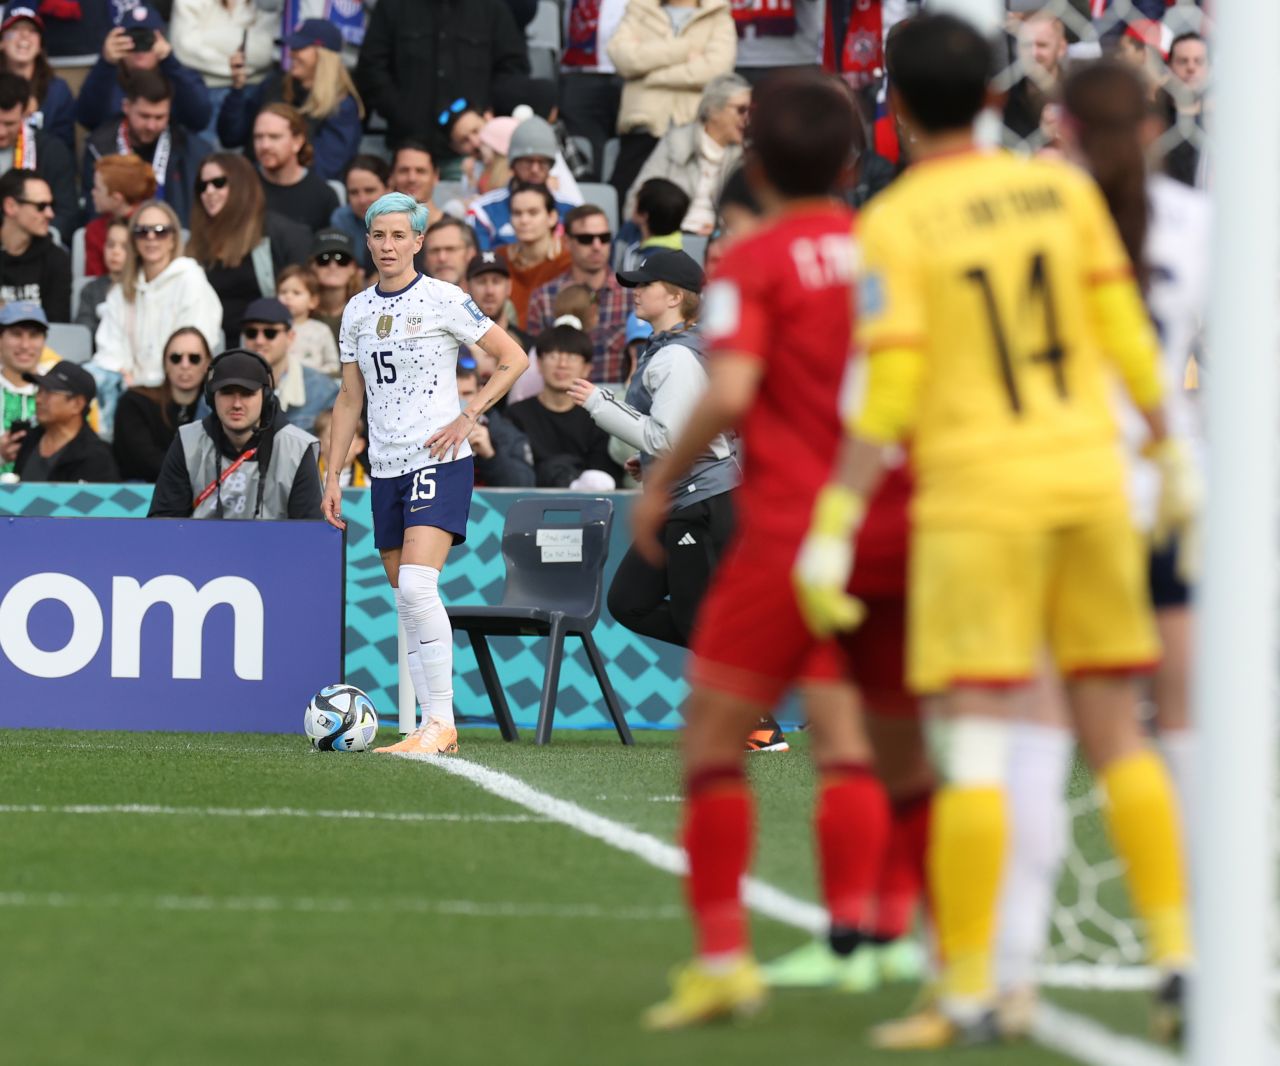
[(699, 156), (666, 53)]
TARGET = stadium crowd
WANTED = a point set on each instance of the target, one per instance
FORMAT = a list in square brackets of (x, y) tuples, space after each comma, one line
[(169, 164)]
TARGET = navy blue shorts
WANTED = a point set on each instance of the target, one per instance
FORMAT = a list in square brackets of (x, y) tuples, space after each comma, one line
[(1167, 588), (437, 496)]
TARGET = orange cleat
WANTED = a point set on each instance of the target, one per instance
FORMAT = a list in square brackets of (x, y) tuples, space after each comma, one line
[(767, 736), (433, 738)]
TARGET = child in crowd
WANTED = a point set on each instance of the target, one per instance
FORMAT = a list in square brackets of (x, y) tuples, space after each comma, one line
[(575, 305), (120, 184), (353, 474), (115, 250), (298, 289)]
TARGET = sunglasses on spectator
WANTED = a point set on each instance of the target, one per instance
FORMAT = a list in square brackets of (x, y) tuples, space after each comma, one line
[(220, 182), (193, 358), (455, 108), (269, 333), (160, 229), (585, 239), (338, 258), (40, 205)]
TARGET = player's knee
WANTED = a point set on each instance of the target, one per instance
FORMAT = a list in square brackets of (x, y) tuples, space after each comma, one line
[(420, 589), (975, 752)]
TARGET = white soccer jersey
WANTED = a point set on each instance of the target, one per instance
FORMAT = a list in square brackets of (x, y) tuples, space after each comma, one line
[(406, 345), (1177, 253)]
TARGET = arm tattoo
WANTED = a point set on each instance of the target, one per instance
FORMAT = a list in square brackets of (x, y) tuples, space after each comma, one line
[(502, 367)]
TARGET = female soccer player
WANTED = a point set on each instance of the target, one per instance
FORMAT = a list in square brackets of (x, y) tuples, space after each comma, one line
[(1165, 228), (777, 319), (399, 348), (996, 306)]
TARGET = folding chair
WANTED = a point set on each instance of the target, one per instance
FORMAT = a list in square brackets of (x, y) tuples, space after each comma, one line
[(555, 549)]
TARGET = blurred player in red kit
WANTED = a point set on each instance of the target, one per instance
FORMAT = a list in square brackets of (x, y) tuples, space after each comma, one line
[(777, 319)]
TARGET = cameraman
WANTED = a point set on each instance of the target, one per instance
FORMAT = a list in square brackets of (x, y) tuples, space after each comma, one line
[(61, 447), (244, 460)]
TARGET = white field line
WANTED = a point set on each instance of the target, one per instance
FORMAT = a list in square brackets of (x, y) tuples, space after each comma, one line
[(262, 812), (1065, 1032), (761, 897), (1084, 1039), (453, 908)]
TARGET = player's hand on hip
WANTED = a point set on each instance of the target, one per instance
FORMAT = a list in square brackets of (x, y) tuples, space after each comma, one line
[(445, 442), (1181, 491), (820, 575), (580, 391), (648, 517), (331, 505)]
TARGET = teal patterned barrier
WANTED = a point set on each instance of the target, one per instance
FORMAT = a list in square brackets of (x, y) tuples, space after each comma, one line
[(647, 676)]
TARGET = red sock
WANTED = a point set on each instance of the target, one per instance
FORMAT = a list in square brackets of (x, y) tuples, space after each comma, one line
[(717, 836), (852, 824), (902, 878)]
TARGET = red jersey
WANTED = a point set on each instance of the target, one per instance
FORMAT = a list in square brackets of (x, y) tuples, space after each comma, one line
[(784, 295)]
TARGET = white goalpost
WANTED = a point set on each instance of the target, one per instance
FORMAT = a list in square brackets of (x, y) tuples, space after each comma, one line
[(1235, 685)]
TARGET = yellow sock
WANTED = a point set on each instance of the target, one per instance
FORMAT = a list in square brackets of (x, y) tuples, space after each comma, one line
[(1142, 818), (967, 841)]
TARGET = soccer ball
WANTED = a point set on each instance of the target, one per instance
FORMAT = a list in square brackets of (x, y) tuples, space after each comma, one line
[(340, 718)]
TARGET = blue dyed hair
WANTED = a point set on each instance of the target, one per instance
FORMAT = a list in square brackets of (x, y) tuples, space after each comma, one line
[(397, 203)]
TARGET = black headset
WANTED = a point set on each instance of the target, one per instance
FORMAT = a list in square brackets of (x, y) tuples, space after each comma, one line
[(270, 408)]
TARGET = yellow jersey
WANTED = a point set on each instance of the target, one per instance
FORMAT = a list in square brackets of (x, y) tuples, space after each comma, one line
[(1005, 279)]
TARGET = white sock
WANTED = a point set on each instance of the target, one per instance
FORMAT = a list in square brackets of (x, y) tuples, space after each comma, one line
[(419, 585), (416, 675), (1178, 746), (1040, 762)]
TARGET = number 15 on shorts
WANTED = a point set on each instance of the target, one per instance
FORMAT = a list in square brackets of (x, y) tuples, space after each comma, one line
[(424, 486)]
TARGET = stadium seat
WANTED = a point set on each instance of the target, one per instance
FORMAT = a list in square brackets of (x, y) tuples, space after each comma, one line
[(77, 253), (604, 197), (609, 158), (78, 284), (695, 246), (445, 191), (544, 30), (375, 144), (71, 341), (585, 148), (547, 598), (543, 63)]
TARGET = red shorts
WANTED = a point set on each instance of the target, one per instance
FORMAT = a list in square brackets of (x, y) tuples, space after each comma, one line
[(750, 640), (874, 655)]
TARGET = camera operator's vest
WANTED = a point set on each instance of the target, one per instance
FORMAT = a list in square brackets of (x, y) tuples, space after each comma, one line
[(246, 492)]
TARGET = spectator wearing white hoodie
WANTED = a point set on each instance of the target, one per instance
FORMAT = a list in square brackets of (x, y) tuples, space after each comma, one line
[(205, 35), (159, 291)]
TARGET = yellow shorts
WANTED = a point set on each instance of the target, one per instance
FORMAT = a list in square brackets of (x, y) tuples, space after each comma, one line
[(984, 604)]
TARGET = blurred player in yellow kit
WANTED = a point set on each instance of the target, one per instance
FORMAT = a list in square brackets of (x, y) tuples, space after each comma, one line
[(996, 307)]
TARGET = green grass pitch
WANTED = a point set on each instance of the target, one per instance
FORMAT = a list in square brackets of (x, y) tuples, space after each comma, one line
[(459, 929)]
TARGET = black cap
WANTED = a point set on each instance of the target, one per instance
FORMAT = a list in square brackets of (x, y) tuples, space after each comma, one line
[(65, 377), (333, 240), (487, 263), (269, 310), (239, 368), (675, 268)]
